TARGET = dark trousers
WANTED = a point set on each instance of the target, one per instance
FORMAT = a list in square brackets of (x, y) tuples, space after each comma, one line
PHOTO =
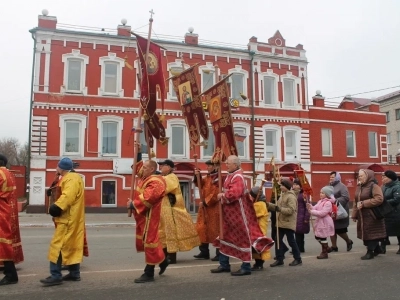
[(281, 242), (371, 244), (9, 270), (149, 270), (280, 253), (300, 241), (204, 248)]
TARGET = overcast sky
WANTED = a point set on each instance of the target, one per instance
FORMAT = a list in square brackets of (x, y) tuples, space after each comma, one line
[(353, 46)]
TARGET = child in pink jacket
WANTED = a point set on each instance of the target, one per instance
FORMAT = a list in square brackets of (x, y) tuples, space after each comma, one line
[(323, 224)]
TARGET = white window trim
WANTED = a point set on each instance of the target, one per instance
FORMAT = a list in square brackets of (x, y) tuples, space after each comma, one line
[(76, 55), (116, 192), (208, 67), (246, 141), (72, 117), (376, 144), (109, 118), (331, 148), (202, 156), (178, 122), (112, 57), (298, 137), (136, 92), (354, 143), (176, 64), (144, 154), (278, 130), (238, 69), (269, 73), (297, 83)]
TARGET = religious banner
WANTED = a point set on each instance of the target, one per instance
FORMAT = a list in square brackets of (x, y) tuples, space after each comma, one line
[(152, 80), (188, 94), (219, 110)]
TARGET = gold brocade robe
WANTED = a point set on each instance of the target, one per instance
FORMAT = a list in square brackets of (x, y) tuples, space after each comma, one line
[(262, 218), (208, 216), (69, 233), (177, 231)]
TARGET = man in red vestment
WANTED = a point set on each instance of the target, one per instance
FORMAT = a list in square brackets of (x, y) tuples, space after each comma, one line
[(147, 209), (241, 232), (10, 239)]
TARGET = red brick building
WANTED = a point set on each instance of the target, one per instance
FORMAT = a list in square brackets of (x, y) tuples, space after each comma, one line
[(85, 104)]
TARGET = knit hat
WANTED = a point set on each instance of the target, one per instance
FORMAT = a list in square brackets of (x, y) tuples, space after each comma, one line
[(328, 191), (286, 183), (391, 175), (297, 181), (66, 164), (4, 159), (254, 192)]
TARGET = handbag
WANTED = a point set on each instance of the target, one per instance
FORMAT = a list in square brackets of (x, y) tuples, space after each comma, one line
[(341, 211), (382, 210)]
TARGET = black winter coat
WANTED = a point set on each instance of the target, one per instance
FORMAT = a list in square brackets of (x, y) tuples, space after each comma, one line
[(391, 193)]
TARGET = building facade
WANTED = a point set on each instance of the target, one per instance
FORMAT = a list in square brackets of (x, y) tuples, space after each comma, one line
[(85, 99)]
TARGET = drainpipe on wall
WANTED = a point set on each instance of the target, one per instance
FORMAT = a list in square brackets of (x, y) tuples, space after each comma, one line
[(253, 150), (30, 116)]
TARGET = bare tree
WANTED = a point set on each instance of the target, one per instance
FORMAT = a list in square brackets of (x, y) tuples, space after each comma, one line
[(15, 153)]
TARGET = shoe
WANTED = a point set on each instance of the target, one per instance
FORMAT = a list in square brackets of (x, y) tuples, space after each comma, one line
[(68, 277), (6, 281), (172, 258), (368, 255), (215, 258), (257, 268), (378, 250), (144, 278), (349, 246), (202, 255), (49, 281), (276, 263), (296, 262), (240, 272), (219, 270), (163, 266), (333, 249)]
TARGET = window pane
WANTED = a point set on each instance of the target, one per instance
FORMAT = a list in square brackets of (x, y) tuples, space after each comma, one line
[(398, 136), (389, 138), (350, 143), (74, 75), (211, 144), (288, 89), (372, 144), (208, 80), (110, 78), (270, 143), (290, 143), (237, 86), (109, 138), (72, 136), (387, 116), (397, 114), (326, 142), (178, 147), (108, 195), (269, 86), (240, 140)]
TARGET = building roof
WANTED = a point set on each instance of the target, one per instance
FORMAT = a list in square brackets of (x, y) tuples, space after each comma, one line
[(388, 96), (358, 102)]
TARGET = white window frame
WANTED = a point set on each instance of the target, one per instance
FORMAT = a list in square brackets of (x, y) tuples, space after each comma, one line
[(112, 57), (202, 156), (278, 137), (208, 67), (144, 154), (354, 143), (330, 142), (72, 117), (238, 69), (297, 83), (389, 138), (176, 64), (297, 131), (376, 144), (178, 122), (116, 192), (270, 73), (109, 118), (246, 141), (75, 55)]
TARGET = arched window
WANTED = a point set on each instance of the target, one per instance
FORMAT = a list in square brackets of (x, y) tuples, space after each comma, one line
[(74, 72), (72, 134)]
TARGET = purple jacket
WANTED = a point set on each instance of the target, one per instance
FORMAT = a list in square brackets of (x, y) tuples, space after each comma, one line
[(302, 215), (323, 224)]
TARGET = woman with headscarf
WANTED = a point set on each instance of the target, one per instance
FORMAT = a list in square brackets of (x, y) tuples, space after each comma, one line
[(391, 193), (369, 229)]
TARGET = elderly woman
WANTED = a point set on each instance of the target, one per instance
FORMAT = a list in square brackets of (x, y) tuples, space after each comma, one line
[(369, 229), (391, 193)]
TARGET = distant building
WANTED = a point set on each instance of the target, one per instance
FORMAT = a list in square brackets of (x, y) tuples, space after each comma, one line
[(85, 104)]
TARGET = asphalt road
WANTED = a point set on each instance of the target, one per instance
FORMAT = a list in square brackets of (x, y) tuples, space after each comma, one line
[(113, 264)]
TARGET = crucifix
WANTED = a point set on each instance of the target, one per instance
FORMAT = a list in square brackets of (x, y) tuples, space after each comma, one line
[(151, 13)]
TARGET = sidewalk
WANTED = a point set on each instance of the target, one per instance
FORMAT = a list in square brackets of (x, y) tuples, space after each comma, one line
[(92, 220)]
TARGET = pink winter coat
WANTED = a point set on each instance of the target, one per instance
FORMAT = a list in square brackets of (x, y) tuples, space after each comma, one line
[(323, 224)]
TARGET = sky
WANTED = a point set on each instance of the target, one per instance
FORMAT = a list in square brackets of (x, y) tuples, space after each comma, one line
[(352, 46)]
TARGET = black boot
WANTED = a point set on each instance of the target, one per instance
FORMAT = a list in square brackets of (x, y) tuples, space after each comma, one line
[(383, 247), (368, 255), (172, 258), (258, 266), (378, 250), (216, 257)]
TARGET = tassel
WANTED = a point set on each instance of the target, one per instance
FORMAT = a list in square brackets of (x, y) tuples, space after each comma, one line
[(152, 154), (162, 117)]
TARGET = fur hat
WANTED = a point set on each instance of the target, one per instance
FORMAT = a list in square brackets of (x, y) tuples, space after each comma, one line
[(328, 191), (4, 159), (65, 164), (391, 175), (286, 183)]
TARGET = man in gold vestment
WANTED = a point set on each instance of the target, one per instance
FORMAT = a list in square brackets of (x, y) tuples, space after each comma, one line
[(66, 247), (177, 231)]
